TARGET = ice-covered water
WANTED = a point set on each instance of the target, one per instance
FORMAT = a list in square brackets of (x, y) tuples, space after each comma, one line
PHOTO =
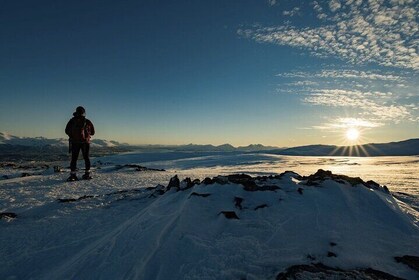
[(400, 174)]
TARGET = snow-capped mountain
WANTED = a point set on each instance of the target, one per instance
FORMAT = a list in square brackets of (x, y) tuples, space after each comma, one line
[(29, 141), (42, 141)]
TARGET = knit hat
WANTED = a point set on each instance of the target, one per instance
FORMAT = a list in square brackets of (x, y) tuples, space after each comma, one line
[(80, 111)]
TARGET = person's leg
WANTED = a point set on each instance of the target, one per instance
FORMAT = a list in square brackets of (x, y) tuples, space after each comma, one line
[(85, 151), (75, 150)]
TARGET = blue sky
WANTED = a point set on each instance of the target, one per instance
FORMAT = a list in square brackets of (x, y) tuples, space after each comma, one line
[(280, 73)]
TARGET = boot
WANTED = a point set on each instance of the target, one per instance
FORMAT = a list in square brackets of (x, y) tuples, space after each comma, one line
[(73, 177), (87, 176)]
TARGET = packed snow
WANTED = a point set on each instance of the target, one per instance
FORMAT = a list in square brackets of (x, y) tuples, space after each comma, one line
[(130, 223)]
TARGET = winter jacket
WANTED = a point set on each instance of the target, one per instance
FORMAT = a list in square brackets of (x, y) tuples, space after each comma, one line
[(74, 125)]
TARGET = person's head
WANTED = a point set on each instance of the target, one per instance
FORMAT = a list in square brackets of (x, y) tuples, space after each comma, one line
[(80, 111)]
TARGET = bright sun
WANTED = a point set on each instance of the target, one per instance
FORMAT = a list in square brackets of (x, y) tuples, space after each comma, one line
[(352, 134)]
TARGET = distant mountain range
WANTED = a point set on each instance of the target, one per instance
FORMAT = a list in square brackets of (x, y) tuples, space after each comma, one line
[(401, 148), (13, 148), (7, 139)]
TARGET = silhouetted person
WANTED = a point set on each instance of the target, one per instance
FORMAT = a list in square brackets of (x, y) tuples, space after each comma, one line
[(79, 130)]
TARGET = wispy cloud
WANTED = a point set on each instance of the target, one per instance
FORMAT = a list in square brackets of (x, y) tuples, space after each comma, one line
[(377, 31), (348, 123), (346, 74), (373, 98), (374, 105), (291, 12)]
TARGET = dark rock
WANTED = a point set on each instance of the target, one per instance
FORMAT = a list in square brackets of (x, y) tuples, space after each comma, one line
[(222, 180), (310, 257), (63, 200), (243, 179), (136, 167), (260, 206), (157, 190), (57, 169), (230, 215), (250, 186), (238, 178), (66, 200), (8, 215), (300, 190), (174, 183), (24, 174), (321, 175), (321, 271), (331, 254), (411, 261), (186, 184), (377, 274), (207, 181), (263, 178), (238, 202), (196, 182), (200, 194), (5, 177), (340, 181), (373, 185), (115, 193), (333, 244), (290, 173), (86, 196)]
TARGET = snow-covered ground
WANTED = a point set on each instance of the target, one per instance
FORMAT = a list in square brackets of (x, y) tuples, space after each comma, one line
[(113, 227)]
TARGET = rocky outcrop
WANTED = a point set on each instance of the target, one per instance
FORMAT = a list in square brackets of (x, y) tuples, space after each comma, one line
[(200, 194), (136, 167), (8, 216), (322, 175), (250, 183), (411, 261), (64, 200), (174, 183), (230, 215), (321, 271)]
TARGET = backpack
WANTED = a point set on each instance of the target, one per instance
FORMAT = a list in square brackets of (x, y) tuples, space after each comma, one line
[(80, 131)]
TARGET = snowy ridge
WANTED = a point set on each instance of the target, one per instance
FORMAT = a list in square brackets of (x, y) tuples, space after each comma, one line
[(227, 227), (8, 139)]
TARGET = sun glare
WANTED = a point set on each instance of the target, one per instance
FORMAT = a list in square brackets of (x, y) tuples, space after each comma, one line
[(352, 134)]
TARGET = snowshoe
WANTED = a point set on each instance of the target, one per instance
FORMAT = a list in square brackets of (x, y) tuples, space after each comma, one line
[(72, 178), (87, 176)]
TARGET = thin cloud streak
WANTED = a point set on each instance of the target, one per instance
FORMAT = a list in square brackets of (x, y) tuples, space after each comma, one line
[(345, 74), (372, 104)]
